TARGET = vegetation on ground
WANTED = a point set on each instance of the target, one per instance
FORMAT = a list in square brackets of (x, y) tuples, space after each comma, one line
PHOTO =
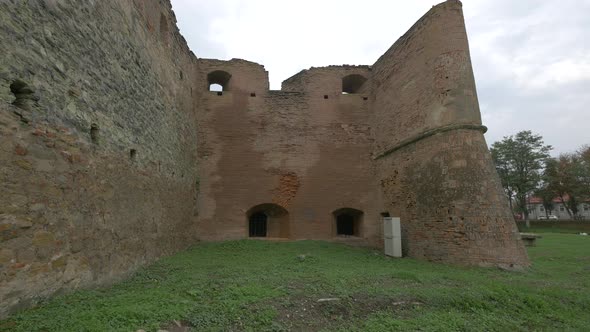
[(312, 285)]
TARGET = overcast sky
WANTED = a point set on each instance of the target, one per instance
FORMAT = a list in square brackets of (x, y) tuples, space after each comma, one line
[(531, 58)]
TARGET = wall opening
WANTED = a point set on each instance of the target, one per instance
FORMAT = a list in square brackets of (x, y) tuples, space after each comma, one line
[(325, 96), (348, 222), (345, 224), (257, 224), (94, 133), (215, 87), (24, 95), (218, 80), (253, 94), (268, 220), (352, 83), (132, 154), (385, 214)]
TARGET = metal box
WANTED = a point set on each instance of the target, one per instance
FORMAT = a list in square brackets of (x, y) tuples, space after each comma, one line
[(392, 236)]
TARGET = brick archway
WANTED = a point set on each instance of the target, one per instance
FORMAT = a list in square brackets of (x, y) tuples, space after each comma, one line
[(268, 220), (348, 222)]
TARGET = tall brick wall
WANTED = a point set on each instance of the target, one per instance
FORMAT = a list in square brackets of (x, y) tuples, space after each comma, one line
[(292, 148), (78, 208), (433, 166)]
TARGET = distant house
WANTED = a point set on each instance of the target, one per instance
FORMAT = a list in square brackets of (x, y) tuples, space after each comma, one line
[(537, 210)]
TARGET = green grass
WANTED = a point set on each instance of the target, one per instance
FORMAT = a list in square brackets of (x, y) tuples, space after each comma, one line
[(266, 286), (561, 226)]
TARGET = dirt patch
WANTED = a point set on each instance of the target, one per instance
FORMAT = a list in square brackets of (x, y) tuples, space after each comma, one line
[(176, 326), (313, 314)]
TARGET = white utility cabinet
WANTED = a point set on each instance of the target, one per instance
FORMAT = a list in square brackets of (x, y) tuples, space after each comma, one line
[(393, 236)]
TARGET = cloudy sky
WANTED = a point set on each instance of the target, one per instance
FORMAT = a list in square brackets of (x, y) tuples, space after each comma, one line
[(531, 57)]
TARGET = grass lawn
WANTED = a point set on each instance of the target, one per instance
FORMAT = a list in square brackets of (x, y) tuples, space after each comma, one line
[(568, 227), (269, 286)]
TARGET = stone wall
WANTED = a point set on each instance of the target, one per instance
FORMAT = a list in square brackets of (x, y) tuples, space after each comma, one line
[(433, 166), (97, 143)]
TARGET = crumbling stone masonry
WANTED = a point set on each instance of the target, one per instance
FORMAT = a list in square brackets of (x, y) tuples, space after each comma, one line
[(113, 151)]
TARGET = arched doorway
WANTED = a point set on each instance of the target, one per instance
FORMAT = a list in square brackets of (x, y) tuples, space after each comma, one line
[(257, 224), (268, 220), (348, 222), (345, 224)]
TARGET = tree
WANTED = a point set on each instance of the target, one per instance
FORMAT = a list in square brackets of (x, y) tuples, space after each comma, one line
[(503, 166), (584, 155), (519, 160), (568, 178), (546, 195)]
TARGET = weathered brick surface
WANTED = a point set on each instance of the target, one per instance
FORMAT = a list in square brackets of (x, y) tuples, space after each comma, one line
[(443, 186), (73, 211), (113, 152), (307, 154)]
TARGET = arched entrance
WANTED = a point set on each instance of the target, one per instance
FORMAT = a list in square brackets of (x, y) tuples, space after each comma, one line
[(257, 224), (345, 224), (268, 220), (348, 222)]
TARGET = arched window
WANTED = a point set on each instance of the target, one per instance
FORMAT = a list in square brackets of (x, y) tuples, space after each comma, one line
[(218, 80), (348, 221), (352, 83), (268, 220)]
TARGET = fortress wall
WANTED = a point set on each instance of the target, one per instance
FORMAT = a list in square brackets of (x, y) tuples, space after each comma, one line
[(304, 153), (338, 172), (80, 209), (432, 163), (246, 76), (325, 80)]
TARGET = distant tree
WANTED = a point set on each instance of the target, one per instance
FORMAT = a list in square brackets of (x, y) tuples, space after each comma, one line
[(546, 195), (504, 168), (584, 155), (555, 177), (519, 160), (568, 178)]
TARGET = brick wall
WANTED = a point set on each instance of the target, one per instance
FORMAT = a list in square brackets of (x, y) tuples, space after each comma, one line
[(80, 208), (433, 166), (291, 148)]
